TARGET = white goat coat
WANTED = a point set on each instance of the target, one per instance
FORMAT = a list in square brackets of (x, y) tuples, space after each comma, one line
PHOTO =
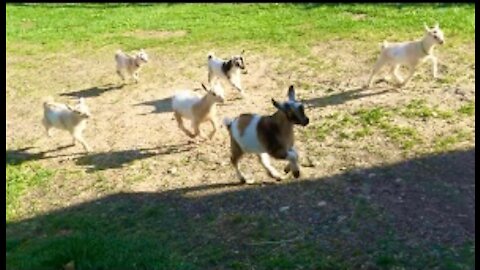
[(248, 142), (60, 116), (183, 101)]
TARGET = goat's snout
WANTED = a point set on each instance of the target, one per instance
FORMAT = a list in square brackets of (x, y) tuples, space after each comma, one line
[(306, 121)]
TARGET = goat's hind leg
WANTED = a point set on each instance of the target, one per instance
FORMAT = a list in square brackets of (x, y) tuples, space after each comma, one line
[(47, 126), (179, 119), (237, 153), (376, 68)]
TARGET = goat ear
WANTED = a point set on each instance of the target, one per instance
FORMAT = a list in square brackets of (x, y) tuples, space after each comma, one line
[(436, 25), (204, 88), (426, 27), (81, 100), (276, 104), (291, 93)]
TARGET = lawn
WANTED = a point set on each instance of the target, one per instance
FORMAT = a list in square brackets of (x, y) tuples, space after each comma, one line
[(387, 174)]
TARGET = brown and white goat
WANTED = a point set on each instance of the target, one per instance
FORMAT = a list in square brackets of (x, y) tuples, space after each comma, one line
[(190, 105), (63, 116), (267, 136)]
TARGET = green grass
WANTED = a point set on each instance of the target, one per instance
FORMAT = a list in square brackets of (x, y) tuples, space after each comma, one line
[(53, 28), (419, 108), (445, 143), (21, 178), (468, 109)]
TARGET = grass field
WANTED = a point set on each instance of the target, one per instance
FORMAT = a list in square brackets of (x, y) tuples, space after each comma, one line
[(387, 174)]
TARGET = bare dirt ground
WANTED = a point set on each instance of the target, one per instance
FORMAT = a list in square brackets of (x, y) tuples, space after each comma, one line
[(138, 147)]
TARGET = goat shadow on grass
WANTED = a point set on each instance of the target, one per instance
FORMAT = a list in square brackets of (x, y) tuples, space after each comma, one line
[(93, 91), (117, 159), (343, 97), (160, 106), (18, 156)]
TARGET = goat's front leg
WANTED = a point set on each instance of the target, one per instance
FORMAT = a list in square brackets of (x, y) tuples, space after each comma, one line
[(235, 82), (290, 155), (135, 76), (78, 137), (434, 66), (396, 75), (272, 172)]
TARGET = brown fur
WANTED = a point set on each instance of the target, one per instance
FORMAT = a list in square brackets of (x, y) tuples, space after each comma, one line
[(243, 121), (203, 109), (275, 132)]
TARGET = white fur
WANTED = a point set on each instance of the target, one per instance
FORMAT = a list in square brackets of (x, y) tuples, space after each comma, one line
[(183, 103), (65, 117), (131, 64), (249, 141), (410, 54)]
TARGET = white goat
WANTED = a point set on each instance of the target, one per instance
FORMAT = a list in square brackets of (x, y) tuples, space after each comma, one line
[(410, 54), (228, 70), (190, 105), (63, 116), (132, 64), (267, 136)]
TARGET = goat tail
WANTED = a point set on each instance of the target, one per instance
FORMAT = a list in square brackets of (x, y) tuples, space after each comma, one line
[(47, 100), (227, 122), (384, 45), (118, 53)]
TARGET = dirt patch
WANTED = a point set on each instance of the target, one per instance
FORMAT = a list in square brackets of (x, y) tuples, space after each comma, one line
[(156, 34), (357, 16)]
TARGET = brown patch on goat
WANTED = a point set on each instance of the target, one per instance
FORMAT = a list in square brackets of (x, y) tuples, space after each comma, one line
[(202, 110), (243, 121), (275, 133)]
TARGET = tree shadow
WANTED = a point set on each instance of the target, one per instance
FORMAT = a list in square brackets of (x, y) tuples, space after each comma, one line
[(160, 106), (343, 97), (404, 213), (93, 91), (118, 159)]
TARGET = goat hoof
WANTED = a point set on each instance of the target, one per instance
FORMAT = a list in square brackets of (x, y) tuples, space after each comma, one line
[(296, 174), (275, 176)]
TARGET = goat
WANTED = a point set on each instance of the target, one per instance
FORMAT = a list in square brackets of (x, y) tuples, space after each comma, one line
[(65, 117), (190, 105), (410, 54), (132, 64), (267, 136), (228, 70)]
